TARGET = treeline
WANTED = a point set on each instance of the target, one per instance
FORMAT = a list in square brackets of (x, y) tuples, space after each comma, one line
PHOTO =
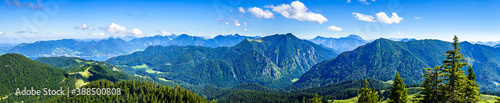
[(255, 93), (135, 91)]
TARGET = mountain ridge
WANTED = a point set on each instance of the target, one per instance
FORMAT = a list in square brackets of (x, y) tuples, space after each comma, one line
[(383, 57), (275, 58), (340, 44), (110, 47)]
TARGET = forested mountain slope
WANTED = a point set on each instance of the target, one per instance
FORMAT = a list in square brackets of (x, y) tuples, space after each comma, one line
[(18, 71), (272, 61), (382, 58)]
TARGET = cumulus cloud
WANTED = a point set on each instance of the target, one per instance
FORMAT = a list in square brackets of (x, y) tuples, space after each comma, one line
[(98, 34), (241, 9), (364, 17), (245, 30), (1, 33), (136, 31), (236, 22), (297, 10), (259, 13), (84, 27), (115, 28), (366, 2), (334, 28), (382, 17)]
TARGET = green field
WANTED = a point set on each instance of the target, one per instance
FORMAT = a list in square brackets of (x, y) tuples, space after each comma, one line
[(143, 66), (153, 71), (79, 83), (484, 98), (163, 79)]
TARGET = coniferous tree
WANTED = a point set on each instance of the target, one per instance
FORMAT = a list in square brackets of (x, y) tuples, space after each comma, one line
[(368, 95), (471, 89), (398, 91), (453, 74), (447, 83), (431, 91), (315, 99), (498, 100)]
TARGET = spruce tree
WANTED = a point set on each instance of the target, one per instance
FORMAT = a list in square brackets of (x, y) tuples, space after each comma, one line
[(471, 89), (453, 74), (431, 91), (368, 95), (398, 91)]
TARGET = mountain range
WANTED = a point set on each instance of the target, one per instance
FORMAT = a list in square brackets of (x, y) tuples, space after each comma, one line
[(272, 61), (340, 44), (488, 43), (382, 58), (105, 48)]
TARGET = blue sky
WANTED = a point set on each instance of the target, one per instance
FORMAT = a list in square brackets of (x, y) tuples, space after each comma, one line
[(31, 20)]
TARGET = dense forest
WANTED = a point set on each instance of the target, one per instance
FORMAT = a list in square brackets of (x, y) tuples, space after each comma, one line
[(18, 71), (135, 91)]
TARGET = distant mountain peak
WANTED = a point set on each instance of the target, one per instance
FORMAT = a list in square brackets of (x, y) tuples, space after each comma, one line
[(354, 36)]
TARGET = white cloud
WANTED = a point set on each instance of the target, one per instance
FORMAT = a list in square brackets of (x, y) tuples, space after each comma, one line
[(97, 34), (334, 28), (84, 27), (227, 23), (136, 31), (245, 30), (348, 1), (1, 33), (218, 19), (21, 32), (245, 24), (382, 17), (115, 28), (364, 17), (297, 10), (416, 18), (365, 2), (235, 21), (241, 9), (259, 13)]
